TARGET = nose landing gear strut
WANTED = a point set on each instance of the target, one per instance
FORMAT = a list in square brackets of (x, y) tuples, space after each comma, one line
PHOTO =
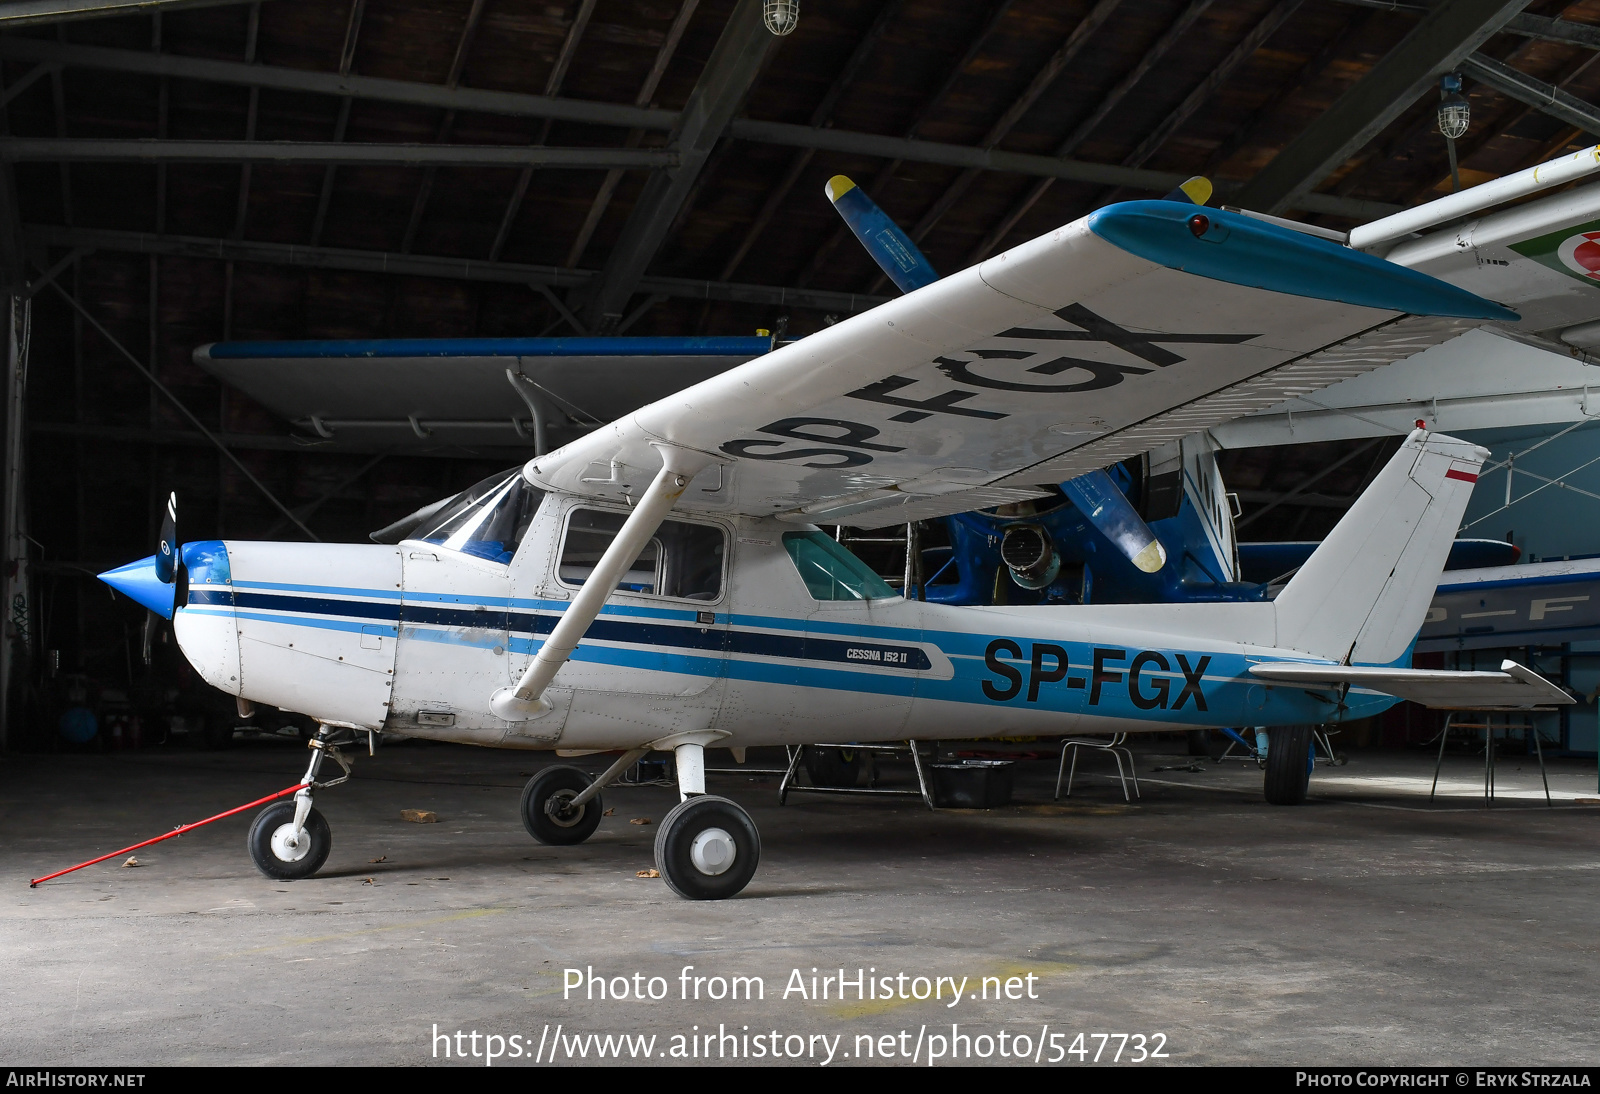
[(290, 840)]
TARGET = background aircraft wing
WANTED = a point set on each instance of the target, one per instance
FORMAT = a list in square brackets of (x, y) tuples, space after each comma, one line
[(1540, 258), (1513, 687), (371, 391), (1138, 324), (1540, 603)]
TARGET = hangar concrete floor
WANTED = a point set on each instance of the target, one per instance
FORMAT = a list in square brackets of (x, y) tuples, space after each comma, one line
[(1364, 927)]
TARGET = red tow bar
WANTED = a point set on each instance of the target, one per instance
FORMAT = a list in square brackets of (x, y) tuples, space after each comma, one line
[(178, 831)]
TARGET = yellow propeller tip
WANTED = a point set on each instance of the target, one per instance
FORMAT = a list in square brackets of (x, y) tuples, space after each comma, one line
[(1152, 558), (1198, 188), (838, 187)]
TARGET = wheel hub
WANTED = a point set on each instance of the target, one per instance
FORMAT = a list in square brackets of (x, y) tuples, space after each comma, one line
[(713, 851), (556, 807), (288, 845)]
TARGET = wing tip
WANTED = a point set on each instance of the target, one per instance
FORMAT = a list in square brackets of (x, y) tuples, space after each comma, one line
[(1255, 254)]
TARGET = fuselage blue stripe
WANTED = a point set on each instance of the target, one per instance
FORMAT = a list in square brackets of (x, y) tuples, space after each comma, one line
[(703, 637), (804, 659)]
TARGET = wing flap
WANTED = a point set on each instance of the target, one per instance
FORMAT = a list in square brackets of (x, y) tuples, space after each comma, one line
[(1514, 687), (1369, 350)]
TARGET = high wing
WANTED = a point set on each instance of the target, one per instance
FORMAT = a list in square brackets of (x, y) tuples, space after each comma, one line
[(1512, 688), (1139, 324)]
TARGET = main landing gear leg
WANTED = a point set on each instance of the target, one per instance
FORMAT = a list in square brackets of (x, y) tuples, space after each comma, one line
[(707, 848), (291, 840), (689, 760)]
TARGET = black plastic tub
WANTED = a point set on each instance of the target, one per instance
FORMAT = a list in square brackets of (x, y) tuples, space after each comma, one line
[(972, 784)]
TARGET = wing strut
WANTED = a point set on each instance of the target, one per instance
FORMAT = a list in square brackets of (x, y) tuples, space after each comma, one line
[(526, 700)]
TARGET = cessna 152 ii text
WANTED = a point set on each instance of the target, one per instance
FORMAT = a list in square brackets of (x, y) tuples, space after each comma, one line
[(660, 583)]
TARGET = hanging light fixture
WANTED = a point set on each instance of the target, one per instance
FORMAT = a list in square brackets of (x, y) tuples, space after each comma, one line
[(1455, 116), (781, 16), (1455, 113)]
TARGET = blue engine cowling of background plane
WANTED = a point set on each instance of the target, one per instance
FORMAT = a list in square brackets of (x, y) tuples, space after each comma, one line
[(1094, 567)]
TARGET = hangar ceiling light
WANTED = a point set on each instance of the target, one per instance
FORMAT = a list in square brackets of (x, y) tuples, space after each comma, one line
[(1455, 113), (781, 16), (1455, 116)]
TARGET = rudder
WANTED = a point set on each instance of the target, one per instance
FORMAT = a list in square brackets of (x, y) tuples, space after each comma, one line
[(1362, 595)]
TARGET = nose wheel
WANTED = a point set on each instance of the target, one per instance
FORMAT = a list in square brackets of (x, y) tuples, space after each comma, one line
[(291, 840), (284, 852), (707, 848)]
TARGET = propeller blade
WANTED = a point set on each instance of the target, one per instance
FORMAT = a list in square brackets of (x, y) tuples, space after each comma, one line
[(889, 247), (167, 551), (1109, 510), (1196, 191)]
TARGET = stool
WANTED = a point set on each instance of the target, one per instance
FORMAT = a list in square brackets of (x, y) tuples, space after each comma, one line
[(1114, 746)]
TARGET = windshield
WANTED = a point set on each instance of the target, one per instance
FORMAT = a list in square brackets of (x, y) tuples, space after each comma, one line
[(830, 571), (489, 520)]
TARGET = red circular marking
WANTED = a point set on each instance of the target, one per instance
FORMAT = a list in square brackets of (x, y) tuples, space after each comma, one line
[(1587, 254)]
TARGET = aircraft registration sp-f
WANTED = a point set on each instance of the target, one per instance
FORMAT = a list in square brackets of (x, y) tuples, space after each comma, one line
[(660, 583)]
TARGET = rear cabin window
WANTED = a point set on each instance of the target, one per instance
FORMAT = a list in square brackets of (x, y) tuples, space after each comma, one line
[(488, 520), (682, 560), (830, 571)]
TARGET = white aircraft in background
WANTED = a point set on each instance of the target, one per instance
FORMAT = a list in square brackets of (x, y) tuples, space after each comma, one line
[(660, 583)]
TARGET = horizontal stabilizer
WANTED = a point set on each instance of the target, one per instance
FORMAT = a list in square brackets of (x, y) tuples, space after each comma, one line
[(1513, 687)]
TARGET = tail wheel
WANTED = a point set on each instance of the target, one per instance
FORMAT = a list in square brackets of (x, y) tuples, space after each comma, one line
[(276, 849), (707, 848), (546, 813), (833, 766), (1289, 759)]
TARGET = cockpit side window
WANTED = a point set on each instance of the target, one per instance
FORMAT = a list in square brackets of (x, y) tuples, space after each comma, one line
[(489, 520), (830, 571), (682, 560)]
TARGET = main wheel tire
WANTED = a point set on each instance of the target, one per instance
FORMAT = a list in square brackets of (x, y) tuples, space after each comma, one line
[(833, 766), (272, 846), (544, 813), (1288, 764), (1199, 742), (707, 848)]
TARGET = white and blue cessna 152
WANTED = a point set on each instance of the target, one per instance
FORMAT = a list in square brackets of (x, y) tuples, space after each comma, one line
[(660, 583)]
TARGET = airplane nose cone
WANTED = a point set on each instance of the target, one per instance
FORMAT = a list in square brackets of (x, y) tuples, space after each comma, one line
[(138, 581)]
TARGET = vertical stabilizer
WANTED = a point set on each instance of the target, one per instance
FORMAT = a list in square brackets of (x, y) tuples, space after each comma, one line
[(1362, 595)]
